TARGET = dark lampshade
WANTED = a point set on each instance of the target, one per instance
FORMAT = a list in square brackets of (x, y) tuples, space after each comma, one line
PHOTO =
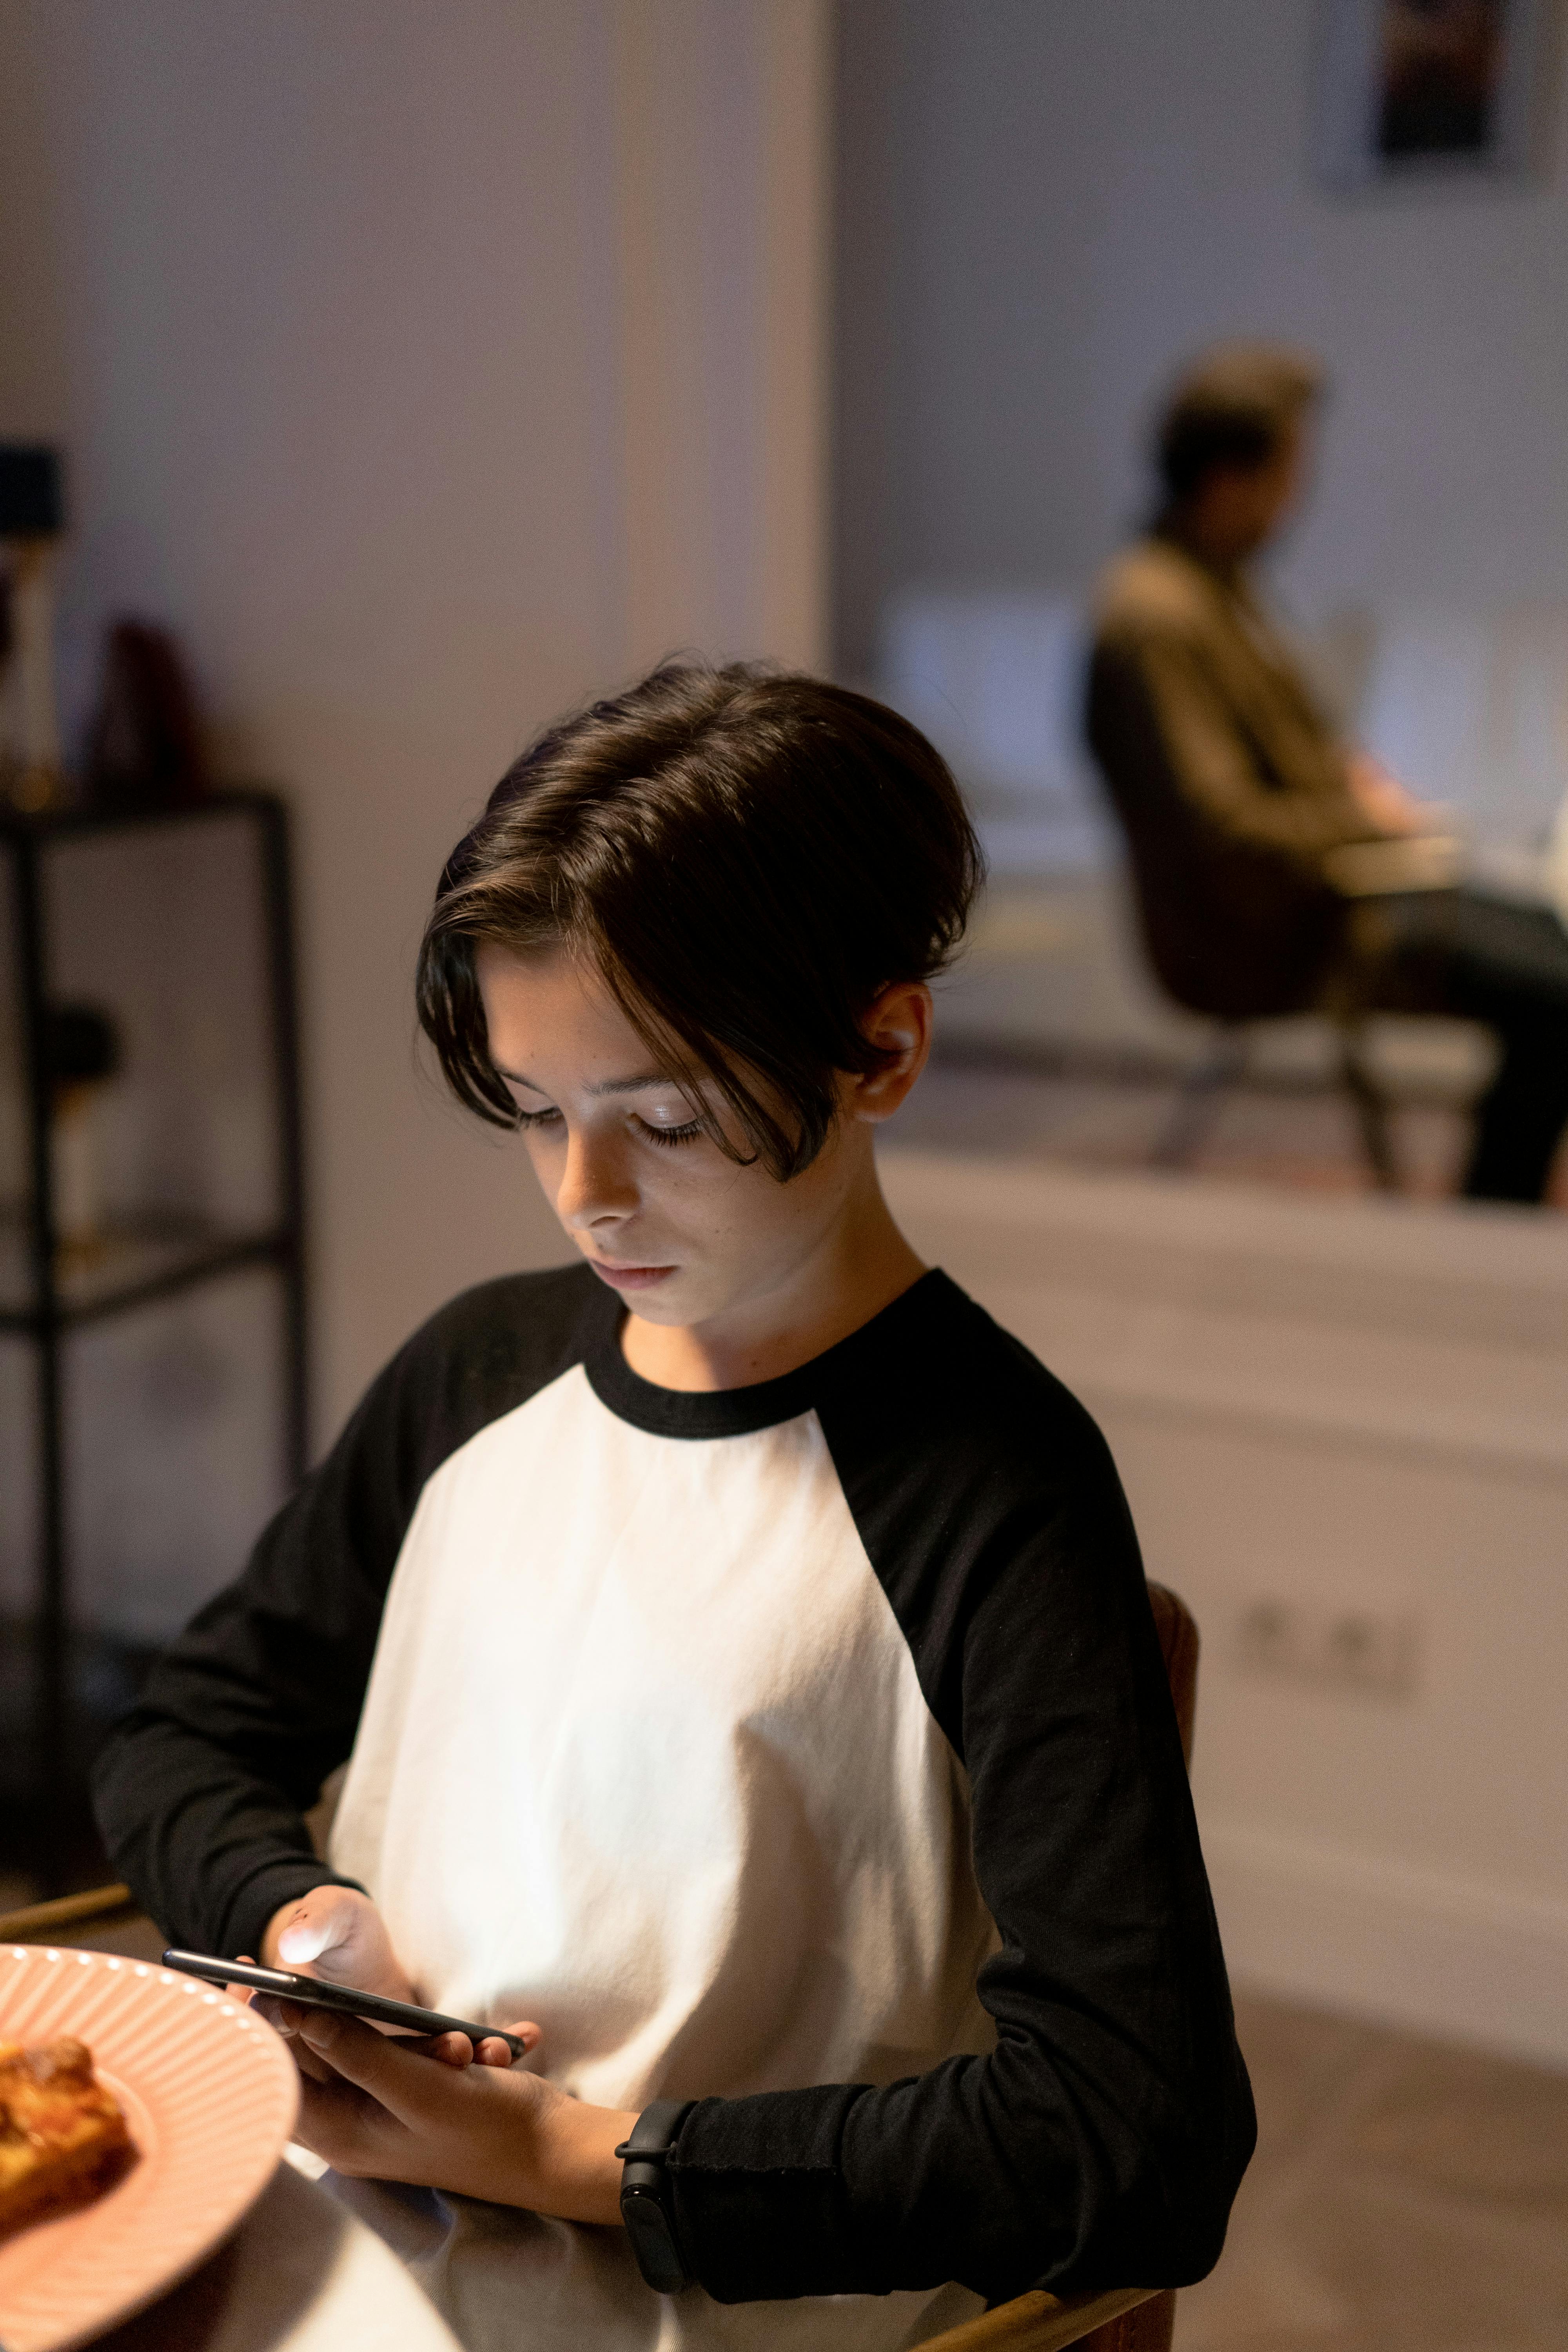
[(30, 501)]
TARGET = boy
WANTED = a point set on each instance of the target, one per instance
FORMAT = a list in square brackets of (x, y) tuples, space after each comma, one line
[(738, 1643)]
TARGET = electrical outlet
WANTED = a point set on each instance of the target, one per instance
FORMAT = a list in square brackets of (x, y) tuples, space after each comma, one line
[(1338, 1646)]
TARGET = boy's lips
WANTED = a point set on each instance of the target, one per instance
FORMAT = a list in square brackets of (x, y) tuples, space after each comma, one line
[(628, 1277)]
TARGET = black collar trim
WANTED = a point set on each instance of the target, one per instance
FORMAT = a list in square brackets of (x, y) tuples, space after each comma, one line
[(737, 1412)]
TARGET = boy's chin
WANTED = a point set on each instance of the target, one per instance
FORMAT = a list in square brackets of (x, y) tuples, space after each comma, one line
[(682, 1301), (669, 1304)]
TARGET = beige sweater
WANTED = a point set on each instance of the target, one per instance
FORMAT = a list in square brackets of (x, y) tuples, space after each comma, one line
[(1229, 780)]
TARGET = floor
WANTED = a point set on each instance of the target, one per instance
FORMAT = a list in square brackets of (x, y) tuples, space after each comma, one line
[(1406, 2197), (1305, 1141)]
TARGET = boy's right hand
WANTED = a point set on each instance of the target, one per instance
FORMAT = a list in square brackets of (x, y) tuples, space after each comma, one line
[(336, 1933)]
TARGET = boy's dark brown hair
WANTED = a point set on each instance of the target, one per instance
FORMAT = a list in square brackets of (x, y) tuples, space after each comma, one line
[(747, 858)]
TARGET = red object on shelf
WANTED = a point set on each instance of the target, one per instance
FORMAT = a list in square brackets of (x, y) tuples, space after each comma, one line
[(144, 748)]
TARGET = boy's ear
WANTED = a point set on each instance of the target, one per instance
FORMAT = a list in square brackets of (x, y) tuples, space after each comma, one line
[(899, 1022)]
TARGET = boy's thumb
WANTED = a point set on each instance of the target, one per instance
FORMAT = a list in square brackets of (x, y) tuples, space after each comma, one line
[(307, 1938)]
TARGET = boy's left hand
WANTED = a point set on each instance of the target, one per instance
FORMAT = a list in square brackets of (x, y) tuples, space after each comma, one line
[(377, 2109)]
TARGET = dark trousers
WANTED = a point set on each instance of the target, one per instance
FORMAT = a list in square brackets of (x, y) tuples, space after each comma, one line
[(1488, 959)]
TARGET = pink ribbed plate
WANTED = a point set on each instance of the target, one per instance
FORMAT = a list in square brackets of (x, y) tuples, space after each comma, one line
[(210, 2094)]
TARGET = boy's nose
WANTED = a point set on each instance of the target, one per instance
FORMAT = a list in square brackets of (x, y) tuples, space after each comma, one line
[(596, 1186)]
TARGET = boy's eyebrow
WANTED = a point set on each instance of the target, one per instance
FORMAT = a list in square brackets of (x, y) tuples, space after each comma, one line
[(605, 1087)]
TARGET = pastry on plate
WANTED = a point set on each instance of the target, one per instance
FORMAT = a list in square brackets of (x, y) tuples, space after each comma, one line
[(62, 2135)]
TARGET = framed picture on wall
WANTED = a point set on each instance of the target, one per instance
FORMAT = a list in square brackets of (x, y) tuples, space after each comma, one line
[(1418, 90)]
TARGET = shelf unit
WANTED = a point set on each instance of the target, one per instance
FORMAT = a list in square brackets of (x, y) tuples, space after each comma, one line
[(43, 1299)]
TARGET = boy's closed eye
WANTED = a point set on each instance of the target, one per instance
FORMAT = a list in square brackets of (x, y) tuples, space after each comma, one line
[(651, 1130), (663, 1113)]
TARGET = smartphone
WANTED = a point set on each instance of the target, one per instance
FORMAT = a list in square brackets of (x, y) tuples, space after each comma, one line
[(315, 1992)]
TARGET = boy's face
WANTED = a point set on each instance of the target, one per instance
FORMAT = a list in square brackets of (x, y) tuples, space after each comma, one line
[(656, 1208)]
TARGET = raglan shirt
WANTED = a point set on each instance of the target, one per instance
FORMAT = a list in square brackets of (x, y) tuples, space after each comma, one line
[(803, 1749)]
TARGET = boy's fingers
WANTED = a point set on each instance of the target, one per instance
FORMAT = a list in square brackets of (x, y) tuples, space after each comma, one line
[(285, 2018), (372, 2061), (450, 2049), (493, 2051), (331, 2120), (305, 1938), (309, 2032), (244, 1994)]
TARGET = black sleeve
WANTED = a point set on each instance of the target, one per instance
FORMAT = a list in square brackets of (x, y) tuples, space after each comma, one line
[(201, 1790), (1101, 2144)]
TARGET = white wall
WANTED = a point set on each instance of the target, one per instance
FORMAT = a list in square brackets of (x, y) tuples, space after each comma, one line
[(424, 368), (1046, 206)]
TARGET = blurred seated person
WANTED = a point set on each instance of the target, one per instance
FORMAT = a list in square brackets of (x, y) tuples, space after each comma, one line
[(1277, 868)]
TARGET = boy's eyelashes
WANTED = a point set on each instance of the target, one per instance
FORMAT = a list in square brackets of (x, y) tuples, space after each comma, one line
[(687, 1133)]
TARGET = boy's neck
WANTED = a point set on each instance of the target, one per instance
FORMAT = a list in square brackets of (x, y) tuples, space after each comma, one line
[(861, 1266)]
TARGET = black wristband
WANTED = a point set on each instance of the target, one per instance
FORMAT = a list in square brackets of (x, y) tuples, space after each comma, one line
[(646, 2203)]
